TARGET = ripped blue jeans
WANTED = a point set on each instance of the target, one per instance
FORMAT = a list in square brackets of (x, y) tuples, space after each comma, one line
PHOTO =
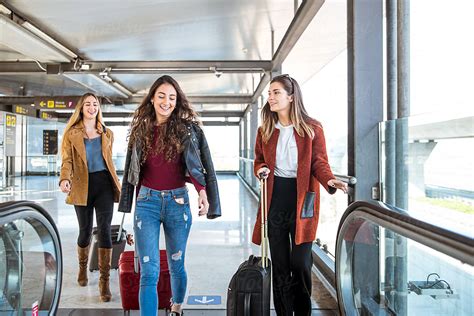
[(153, 208)]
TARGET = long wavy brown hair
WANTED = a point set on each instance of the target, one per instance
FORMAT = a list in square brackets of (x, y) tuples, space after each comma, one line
[(298, 115), (171, 133)]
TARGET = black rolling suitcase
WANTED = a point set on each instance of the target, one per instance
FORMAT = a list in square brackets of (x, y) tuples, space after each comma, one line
[(119, 238), (249, 289)]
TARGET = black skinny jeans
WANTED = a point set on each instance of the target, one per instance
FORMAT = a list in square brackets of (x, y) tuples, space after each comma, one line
[(100, 196), (291, 263)]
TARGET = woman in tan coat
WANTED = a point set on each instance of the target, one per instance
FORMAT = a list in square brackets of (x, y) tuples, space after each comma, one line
[(89, 178), (290, 150)]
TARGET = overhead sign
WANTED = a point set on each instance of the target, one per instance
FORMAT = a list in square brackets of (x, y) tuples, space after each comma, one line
[(10, 135), (204, 300), (48, 116), (24, 110), (57, 102)]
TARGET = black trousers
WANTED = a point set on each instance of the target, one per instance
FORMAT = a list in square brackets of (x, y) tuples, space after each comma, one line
[(100, 196), (291, 263)]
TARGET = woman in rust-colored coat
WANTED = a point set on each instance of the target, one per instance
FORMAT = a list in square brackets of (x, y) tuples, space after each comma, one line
[(290, 151)]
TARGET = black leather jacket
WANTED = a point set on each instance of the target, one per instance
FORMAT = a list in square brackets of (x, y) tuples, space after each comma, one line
[(196, 156)]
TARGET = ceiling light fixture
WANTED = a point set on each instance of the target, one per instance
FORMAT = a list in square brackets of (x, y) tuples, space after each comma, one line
[(49, 39), (4, 10), (29, 43), (100, 85), (124, 90)]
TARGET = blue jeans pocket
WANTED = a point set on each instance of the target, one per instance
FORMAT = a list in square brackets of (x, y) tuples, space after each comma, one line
[(181, 199), (142, 194)]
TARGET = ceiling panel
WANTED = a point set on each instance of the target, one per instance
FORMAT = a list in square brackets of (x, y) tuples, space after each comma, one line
[(7, 54), (195, 84), (157, 30), (163, 30), (323, 40), (39, 85)]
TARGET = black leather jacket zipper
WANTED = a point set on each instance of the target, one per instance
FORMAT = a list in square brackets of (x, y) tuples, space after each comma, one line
[(197, 154)]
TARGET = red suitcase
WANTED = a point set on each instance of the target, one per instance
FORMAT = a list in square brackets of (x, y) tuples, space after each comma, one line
[(129, 281)]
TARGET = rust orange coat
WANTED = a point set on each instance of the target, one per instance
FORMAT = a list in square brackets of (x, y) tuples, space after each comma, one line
[(313, 168)]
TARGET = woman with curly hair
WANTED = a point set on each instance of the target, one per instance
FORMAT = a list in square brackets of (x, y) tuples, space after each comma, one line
[(166, 148)]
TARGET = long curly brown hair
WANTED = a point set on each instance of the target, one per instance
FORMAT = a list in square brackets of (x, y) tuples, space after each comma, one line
[(171, 133)]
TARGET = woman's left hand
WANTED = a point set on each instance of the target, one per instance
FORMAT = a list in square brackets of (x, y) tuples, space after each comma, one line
[(338, 184), (203, 203)]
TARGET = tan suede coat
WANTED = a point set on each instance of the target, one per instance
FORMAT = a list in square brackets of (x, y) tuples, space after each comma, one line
[(74, 164), (313, 169)]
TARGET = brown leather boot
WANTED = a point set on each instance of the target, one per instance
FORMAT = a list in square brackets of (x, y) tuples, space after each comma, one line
[(83, 256), (105, 257)]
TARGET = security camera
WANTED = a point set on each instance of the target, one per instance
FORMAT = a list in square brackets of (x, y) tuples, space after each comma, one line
[(104, 74), (216, 72)]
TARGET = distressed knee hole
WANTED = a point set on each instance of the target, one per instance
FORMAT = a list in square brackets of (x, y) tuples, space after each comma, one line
[(146, 259), (177, 256), (185, 216), (139, 224)]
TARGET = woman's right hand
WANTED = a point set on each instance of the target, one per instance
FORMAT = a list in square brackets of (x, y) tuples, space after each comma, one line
[(65, 186), (263, 173)]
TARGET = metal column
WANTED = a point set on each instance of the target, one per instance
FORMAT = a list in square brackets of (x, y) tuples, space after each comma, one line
[(365, 92), (403, 111), (365, 112)]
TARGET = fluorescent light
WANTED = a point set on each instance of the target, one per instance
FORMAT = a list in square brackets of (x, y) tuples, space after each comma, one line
[(47, 38), (101, 86), (27, 43), (4, 10), (122, 88)]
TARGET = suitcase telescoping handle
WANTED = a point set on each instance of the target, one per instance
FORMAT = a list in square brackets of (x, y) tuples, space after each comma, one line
[(264, 224), (136, 264), (119, 236), (135, 255)]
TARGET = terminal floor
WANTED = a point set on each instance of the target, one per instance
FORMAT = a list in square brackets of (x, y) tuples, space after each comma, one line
[(215, 247)]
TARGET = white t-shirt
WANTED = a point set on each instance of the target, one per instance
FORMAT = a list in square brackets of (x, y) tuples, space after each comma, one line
[(286, 162)]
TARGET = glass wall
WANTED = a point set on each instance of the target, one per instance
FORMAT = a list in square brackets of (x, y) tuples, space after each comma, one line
[(427, 163), (119, 149), (436, 157), (322, 75), (223, 142), (441, 62), (36, 162)]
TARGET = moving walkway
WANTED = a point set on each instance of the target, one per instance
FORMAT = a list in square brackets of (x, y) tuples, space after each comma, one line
[(388, 262)]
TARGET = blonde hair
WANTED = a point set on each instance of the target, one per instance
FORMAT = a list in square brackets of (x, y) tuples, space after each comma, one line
[(77, 116), (298, 115)]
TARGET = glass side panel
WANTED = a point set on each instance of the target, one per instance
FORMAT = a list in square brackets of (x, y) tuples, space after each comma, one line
[(29, 267), (318, 62), (394, 275), (246, 172), (426, 167)]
